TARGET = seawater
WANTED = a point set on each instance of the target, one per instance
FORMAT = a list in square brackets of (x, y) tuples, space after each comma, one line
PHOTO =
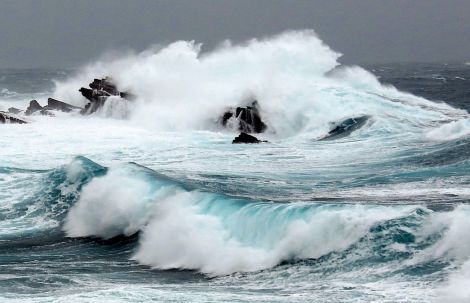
[(151, 201)]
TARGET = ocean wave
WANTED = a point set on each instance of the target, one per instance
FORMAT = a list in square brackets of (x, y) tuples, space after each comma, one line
[(40, 212), (451, 131), (296, 79), (185, 228), (377, 212)]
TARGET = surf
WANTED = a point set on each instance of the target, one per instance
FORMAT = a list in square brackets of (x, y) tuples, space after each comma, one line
[(180, 226), (154, 188), (300, 87)]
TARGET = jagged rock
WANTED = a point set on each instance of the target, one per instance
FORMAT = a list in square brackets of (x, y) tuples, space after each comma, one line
[(92, 94), (7, 118), (87, 93), (100, 90), (105, 85), (245, 138), (248, 118), (53, 104), (96, 102), (226, 116), (14, 110), (33, 107)]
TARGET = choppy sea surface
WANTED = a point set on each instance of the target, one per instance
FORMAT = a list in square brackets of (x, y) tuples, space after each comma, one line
[(149, 200)]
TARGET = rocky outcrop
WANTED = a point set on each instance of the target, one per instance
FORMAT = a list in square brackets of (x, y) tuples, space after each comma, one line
[(100, 90), (247, 119), (104, 85), (33, 107), (245, 138), (53, 104), (8, 118), (98, 93)]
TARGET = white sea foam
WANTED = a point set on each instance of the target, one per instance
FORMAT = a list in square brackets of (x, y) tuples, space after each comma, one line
[(109, 206), (209, 233), (455, 229), (451, 131), (294, 76), (182, 237), (217, 235), (453, 246), (456, 289)]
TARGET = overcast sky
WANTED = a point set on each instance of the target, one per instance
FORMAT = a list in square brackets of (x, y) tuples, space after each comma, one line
[(67, 33)]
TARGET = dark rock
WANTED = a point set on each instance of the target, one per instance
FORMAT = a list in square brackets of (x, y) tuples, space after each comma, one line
[(99, 91), (33, 107), (7, 118), (94, 105), (53, 104), (87, 93), (345, 127), (14, 110), (245, 138), (105, 85), (92, 94), (226, 116), (248, 118)]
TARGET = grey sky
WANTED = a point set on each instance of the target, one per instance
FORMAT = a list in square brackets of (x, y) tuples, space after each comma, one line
[(66, 33)]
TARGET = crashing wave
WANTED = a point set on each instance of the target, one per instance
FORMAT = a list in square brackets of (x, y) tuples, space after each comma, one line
[(182, 227), (294, 76)]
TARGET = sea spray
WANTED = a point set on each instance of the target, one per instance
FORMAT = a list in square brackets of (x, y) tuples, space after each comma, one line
[(295, 78)]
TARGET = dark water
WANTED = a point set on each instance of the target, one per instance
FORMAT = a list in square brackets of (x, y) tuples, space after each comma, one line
[(437, 82)]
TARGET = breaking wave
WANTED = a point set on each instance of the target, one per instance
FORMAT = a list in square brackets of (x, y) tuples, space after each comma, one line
[(213, 233), (296, 79), (182, 227)]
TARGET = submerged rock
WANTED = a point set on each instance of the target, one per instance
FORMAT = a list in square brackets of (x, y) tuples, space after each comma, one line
[(245, 138), (8, 118), (248, 118), (33, 107), (345, 127)]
